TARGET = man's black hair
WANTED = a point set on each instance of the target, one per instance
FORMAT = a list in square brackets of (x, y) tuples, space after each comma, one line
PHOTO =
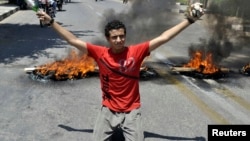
[(115, 24)]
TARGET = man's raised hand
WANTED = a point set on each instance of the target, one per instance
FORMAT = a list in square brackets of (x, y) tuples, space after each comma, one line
[(194, 12), (43, 16)]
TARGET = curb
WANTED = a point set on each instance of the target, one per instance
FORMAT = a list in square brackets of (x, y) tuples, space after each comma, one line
[(7, 10)]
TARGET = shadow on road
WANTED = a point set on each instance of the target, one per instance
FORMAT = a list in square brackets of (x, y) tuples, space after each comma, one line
[(30, 40), (118, 135)]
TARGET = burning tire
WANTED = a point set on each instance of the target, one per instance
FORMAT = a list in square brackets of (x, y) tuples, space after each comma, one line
[(146, 73)]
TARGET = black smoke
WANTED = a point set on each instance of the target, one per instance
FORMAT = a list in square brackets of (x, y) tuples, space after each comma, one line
[(145, 20), (227, 22)]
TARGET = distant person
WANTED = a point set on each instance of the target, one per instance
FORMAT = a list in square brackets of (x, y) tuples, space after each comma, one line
[(67, 1), (119, 71), (125, 1), (22, 4)]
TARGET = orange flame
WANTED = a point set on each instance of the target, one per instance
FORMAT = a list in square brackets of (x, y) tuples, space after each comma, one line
[(205, 65), (74, 66)]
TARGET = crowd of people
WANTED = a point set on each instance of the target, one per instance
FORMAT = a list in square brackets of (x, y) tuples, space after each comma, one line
[(124, 1), (41, 3), (22, 4)]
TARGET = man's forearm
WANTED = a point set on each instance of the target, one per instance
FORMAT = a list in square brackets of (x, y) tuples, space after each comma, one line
[(68, 36), (168, 35), (172, 32)]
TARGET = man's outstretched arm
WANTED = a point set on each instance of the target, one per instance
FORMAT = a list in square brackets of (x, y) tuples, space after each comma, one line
[(68, 36), (172, 32)]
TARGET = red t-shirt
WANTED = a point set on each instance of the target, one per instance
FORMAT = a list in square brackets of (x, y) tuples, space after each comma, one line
[(119, 75)]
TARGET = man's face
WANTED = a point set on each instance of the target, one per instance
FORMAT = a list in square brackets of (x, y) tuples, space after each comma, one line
[(117, 40)]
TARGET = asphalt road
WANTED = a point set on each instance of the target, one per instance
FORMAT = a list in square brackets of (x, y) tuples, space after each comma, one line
[(174, 106)]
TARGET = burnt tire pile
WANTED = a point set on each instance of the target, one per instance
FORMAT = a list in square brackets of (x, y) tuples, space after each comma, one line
[(245, 71), (35, 75)]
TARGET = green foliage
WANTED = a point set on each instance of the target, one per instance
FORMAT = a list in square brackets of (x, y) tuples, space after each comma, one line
[(238, 8), (182, 1)]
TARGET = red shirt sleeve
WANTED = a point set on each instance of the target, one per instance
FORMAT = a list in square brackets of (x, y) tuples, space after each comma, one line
[(95, 51)]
